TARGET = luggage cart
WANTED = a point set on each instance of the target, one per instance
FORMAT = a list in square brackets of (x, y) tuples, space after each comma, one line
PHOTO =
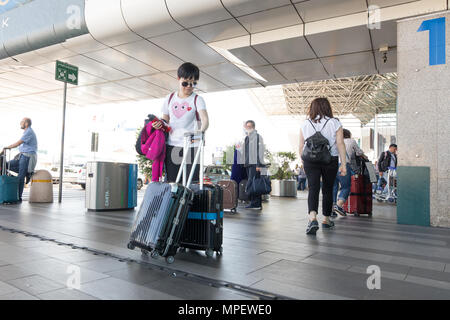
[(390, 196)]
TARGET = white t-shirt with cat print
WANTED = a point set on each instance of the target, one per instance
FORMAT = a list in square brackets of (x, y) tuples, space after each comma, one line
[(182, 116)]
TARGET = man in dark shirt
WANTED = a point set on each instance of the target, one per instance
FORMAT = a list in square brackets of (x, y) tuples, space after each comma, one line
[(387, 159)]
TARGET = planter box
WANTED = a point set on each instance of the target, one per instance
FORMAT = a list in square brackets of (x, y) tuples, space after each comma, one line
[(284, 188)]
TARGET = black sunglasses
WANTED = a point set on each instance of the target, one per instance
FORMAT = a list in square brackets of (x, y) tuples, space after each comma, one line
[(191, 84)]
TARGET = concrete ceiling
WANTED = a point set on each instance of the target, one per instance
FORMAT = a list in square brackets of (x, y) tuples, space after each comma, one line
[(134, 47)]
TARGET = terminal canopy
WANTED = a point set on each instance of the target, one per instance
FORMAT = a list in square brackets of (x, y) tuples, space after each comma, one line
[(361, 96)]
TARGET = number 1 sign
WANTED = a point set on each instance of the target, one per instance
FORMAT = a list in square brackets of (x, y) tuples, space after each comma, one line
[(437, 39)]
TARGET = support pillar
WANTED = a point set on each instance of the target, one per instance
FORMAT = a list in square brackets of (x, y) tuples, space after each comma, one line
[(424, 120)]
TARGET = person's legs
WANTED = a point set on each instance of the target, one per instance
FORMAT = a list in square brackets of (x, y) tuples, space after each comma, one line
[(335, 192), (313, 173), (191, 158), (380, 181), (335, 188), (346, 183), (255, 201), (13, 166), (173, 161), (329, 173), (302, 184), (23, 169)]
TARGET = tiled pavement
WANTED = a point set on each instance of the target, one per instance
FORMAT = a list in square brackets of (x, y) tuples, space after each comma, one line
[(267, 251)]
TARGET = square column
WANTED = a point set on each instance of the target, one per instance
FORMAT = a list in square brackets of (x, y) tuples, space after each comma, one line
[(423, 115)]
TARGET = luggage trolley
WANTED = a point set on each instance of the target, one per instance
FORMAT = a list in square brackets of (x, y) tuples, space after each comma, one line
[(390, 195)]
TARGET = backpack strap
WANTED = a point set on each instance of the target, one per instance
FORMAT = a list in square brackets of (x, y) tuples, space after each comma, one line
[(322, 127), (197, 116), (312, 125), (171, 97), (325, 124)]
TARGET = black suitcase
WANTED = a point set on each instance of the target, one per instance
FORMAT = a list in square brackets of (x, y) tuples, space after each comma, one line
[(243, 196), (162, 214), (203, 229)]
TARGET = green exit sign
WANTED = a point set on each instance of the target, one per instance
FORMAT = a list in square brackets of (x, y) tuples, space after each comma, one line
[(66, 73)]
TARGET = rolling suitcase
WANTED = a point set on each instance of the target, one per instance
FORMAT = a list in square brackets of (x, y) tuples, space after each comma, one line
[(203, 229), (9, 185), (243, 196), (230, 194), (360, 199), (163, 212)]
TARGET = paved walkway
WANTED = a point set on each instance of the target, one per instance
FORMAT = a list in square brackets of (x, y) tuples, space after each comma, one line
[(266, 251)]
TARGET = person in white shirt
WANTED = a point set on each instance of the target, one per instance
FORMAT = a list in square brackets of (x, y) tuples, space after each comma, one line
[(184, 111), (352, 150), (320, 119)]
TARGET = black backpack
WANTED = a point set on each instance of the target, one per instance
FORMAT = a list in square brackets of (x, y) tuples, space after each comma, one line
[(143, 135), (384, 165), (317, 148)]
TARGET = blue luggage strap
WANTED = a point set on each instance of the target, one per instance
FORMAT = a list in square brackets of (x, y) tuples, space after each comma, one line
[(204, 215)]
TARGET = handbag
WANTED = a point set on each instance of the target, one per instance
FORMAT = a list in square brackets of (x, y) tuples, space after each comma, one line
[(259, 186)]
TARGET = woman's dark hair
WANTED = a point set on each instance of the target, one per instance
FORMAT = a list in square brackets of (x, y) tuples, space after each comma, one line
[(320, 107), (347, 134), (188, 71)]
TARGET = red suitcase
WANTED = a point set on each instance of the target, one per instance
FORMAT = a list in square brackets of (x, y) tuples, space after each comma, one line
[(360, 199)]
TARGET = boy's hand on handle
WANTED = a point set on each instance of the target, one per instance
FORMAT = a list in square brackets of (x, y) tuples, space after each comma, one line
[(157, 125), (343, 170)]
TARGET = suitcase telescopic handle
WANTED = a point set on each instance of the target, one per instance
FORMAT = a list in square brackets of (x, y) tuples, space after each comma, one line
[(4, 171), (189, 138)]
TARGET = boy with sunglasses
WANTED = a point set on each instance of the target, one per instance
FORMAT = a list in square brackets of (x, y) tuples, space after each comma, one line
[(184, 111)]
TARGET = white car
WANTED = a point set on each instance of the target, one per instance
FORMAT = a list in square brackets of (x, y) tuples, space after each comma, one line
[(70, 174)]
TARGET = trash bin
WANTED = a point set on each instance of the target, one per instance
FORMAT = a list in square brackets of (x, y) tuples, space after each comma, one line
[(111, 186), (41, 190)]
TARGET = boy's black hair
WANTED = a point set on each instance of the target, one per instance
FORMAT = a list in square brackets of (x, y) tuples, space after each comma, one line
[(393, 145), (188, 71)]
